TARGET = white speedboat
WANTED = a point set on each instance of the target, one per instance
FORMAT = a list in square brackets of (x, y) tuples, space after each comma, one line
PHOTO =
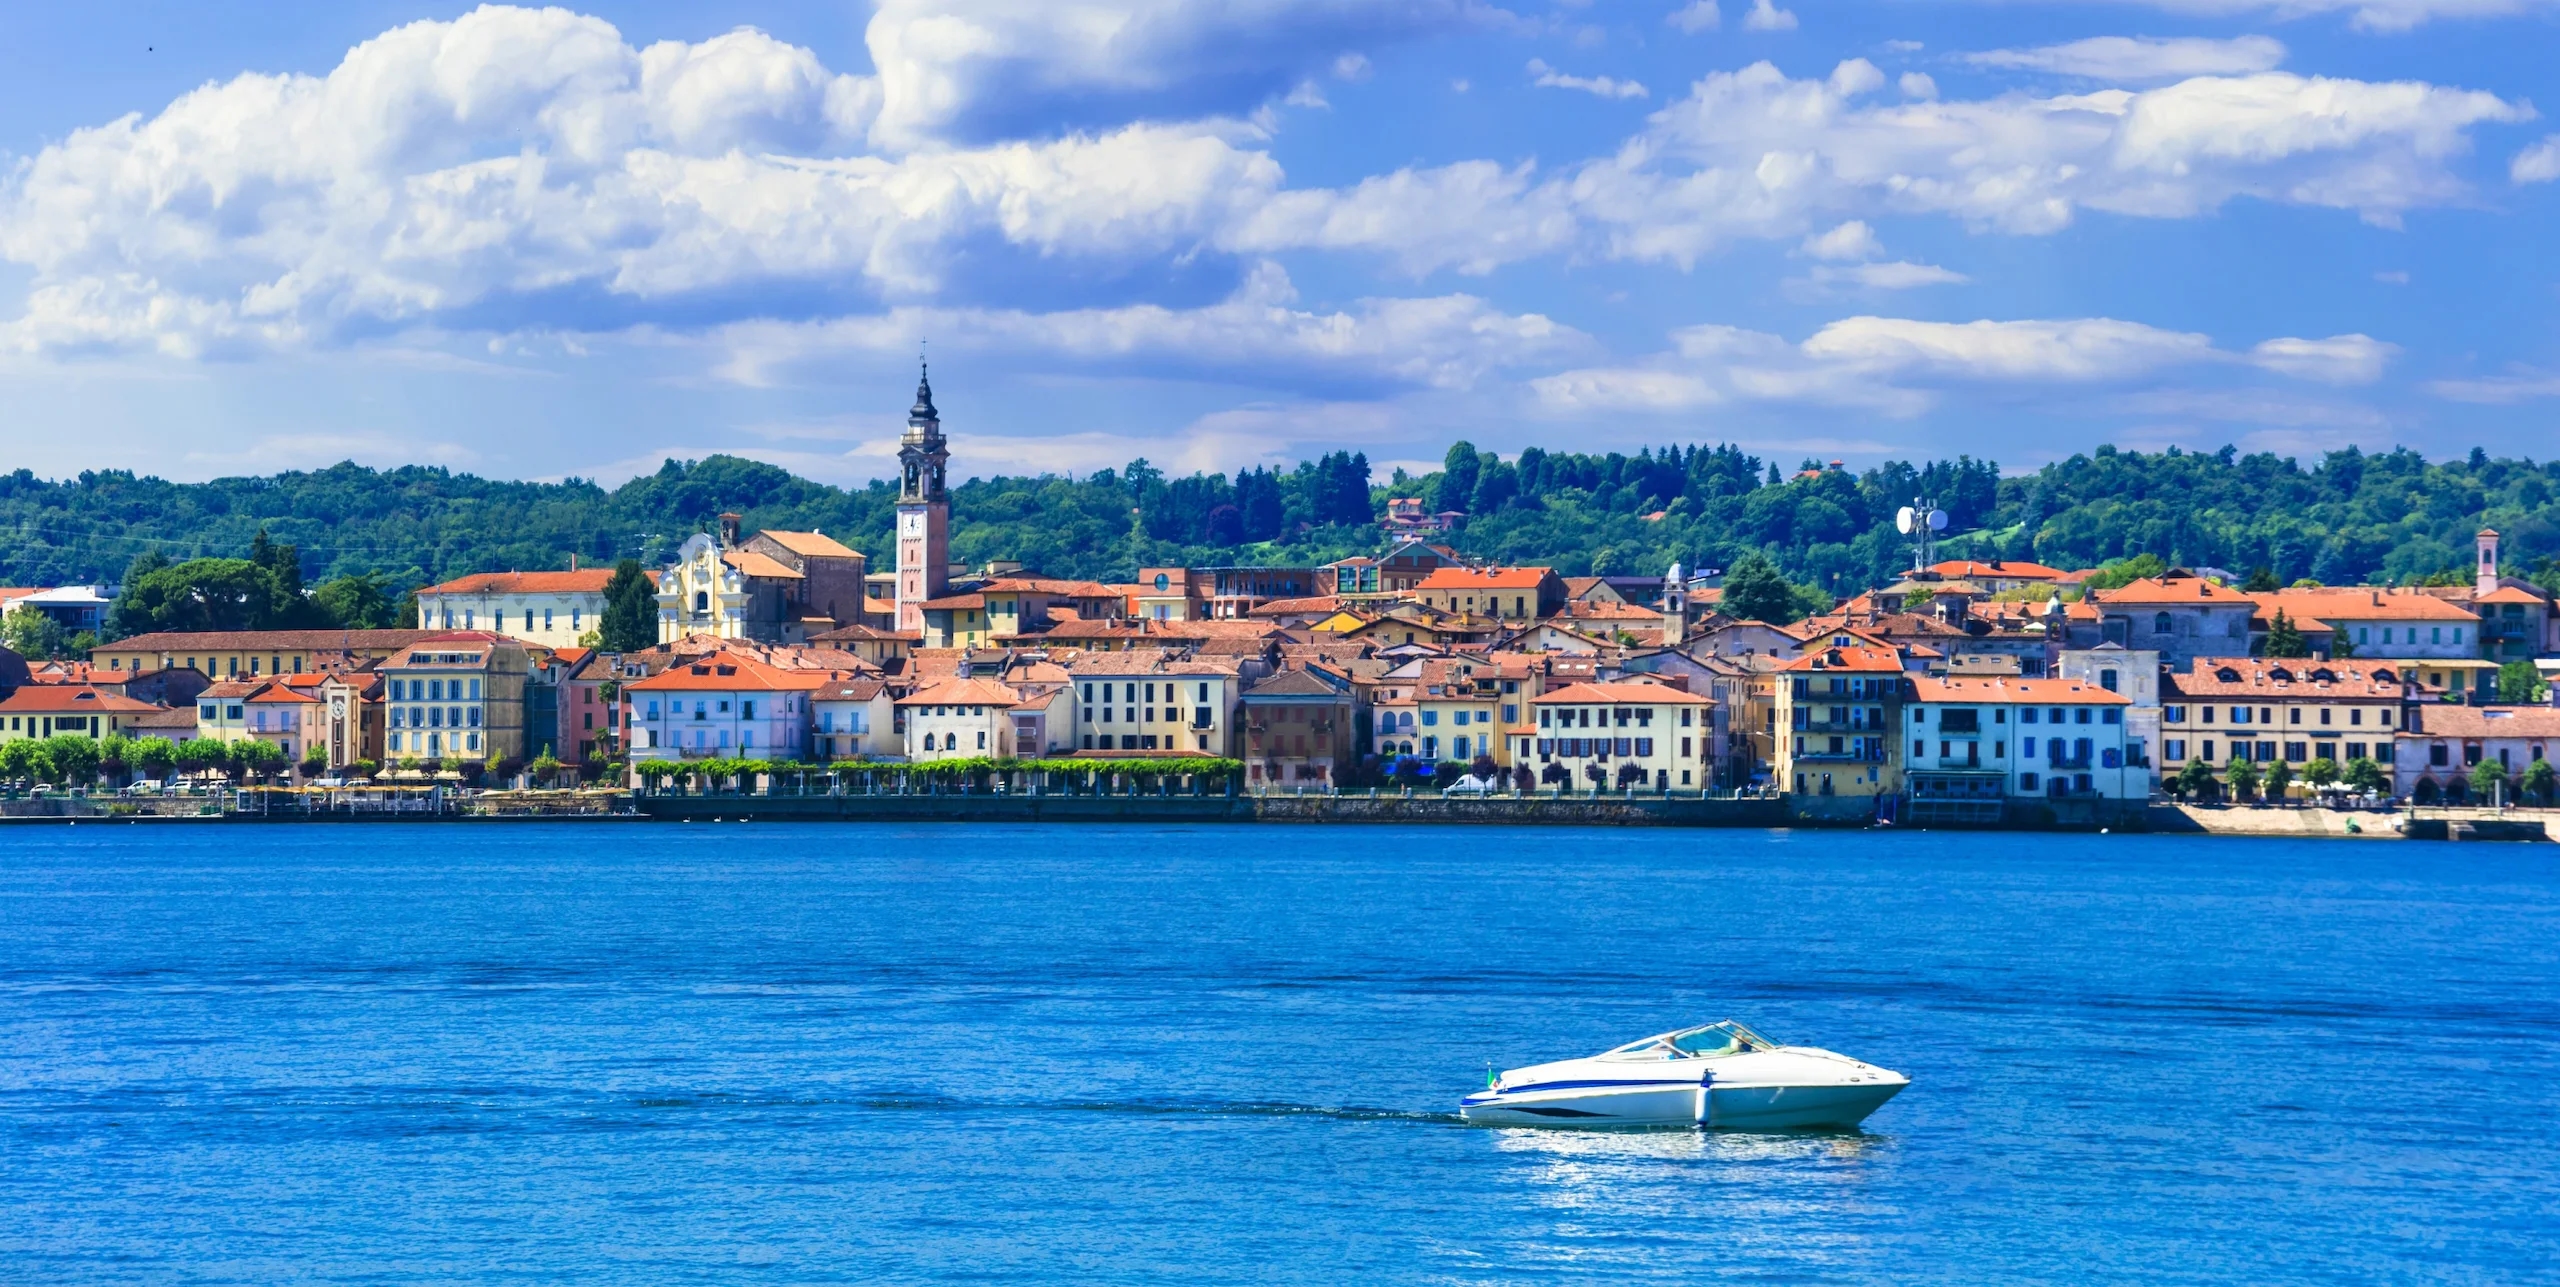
[(1723, 1076)]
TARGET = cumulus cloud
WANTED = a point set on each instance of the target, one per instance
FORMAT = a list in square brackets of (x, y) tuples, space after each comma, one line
[(2339, 359), (1696, 16), (1896, 275), (2135, 59), (979, 70), (514, 155), (2539, 163), (1257, 337), (1899, 366), (1545, 77), (1851, 240), (2521, 385), (1767, 16), (2366, 15)]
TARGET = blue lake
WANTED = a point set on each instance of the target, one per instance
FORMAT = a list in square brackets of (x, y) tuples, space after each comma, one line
[(855, 1053)]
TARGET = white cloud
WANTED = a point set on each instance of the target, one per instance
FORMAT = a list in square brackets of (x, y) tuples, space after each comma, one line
[(2539, 163), (1917, 85), (1897, 275), (1473, 216), (982, 69), (1546, 77), (1766, 16), (2339, 359), (1900, 366), (1256, 338), (1851, 240), (2133, 59), (1697, 16), (2524, 385), (513, 155), (1753, 153), (2367, 15)]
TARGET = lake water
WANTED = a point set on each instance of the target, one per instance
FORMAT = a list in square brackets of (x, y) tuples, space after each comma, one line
[(775, 1054)]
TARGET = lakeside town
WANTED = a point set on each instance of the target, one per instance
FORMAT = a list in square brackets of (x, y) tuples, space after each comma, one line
[(1968, 692)]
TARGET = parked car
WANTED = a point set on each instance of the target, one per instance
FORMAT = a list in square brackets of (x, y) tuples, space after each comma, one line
[(1469, 786)]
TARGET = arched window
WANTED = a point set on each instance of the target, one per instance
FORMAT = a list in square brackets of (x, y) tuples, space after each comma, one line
[(702, 601), (2160, 624)]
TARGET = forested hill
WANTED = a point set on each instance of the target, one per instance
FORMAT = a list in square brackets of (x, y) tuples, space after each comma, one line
[(2343, 518)]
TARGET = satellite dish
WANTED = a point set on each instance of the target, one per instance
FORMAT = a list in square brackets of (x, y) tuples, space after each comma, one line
[(1902, 520), (1937, 520)]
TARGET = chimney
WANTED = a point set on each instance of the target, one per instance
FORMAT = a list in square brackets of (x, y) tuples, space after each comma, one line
[(573, 562)]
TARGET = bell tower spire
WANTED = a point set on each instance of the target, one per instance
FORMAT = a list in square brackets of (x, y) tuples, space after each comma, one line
[(924, 507)]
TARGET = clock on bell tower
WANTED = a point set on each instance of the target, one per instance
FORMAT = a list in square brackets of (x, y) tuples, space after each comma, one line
[(924, 510)]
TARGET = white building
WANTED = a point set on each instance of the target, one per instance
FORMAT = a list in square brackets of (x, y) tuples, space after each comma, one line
[(1622, 734), (1988, 738), (724, 704), (2134, 672), (548, 608), (959, 719)]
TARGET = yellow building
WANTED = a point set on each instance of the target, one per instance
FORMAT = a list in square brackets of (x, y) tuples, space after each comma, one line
[(251, 654), (44, 710)]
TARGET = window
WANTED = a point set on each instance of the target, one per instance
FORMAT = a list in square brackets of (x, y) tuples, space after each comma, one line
[(2174, 714), (2027, 747), (2239, 715), (2292, 714), (2114, 715), (2174, 748), (2080, 716), (2026, 782), (2028, 714), (2107, 680), (2160, 624)]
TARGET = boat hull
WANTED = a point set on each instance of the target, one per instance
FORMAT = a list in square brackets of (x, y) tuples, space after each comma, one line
[(1796, 1108), (1651, 1104)]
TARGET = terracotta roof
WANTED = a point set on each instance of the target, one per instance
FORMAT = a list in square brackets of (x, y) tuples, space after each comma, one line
[(2490, 721), (70, 699), (751, 563), (281, 693), (850, 690), (1294, 682), (1592, 694), (583, 581), (963, 692), (950, 601), (2350, 604), (808, 544), (727, 672), (1870, 660), (863, 634), (267, 640), (2289, 676), (1322, 603), (2175, 589), (181, 718), (1994, 689), (2509, 594), (2011, 569), (1485, 578), (1052, 585)]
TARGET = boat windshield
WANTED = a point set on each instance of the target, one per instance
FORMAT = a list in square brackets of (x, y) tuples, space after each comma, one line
[(1713, 1041)]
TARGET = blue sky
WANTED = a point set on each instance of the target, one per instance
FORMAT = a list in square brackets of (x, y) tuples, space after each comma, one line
[(534, 243)]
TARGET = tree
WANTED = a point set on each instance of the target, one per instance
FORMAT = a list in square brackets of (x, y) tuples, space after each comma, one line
[(1458, 475), (2538, 780), (2284, 638), (2243, 778), (630, 609), (2366, 777), (71, 758), (2321, 773), (546, 767), (314, 762), (18, 759), (199, 594), (198, 753), (2279, 780), (262, 759), (31, 634), (360, 601), (2194, 780), (154, 755), (2518, 683), (1753, 591), (2261, 581), (2487, 778), (1482, 768)]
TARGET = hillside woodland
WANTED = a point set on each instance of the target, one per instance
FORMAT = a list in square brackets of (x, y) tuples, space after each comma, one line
[(341, 546)]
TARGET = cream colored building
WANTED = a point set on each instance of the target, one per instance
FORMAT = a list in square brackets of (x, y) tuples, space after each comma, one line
[(1141, 701), (548, 608), (1648, 735)]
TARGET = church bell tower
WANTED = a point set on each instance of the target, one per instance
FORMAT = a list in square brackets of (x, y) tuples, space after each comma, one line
[(924, 510)]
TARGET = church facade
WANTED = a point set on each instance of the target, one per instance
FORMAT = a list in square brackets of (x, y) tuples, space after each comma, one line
[(772, 587)]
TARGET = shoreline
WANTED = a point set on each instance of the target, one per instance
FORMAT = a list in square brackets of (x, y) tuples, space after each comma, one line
[(1763, 813)]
